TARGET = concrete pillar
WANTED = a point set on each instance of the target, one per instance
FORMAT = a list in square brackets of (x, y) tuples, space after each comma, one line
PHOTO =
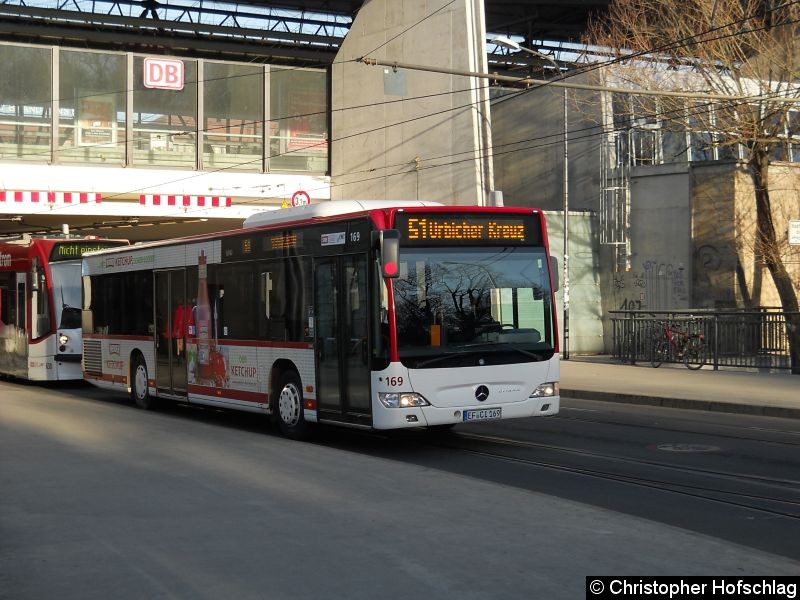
[(409, 134)]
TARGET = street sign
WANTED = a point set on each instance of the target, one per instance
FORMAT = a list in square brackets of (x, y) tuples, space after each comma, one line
[(300, 198), (794, 233)]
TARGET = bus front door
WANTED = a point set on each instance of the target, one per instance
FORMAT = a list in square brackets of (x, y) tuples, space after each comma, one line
[(171, 330), (342, 349)]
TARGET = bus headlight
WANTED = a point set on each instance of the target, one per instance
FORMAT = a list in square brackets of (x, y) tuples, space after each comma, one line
[(63, 339), (401, 399), (546, 390)]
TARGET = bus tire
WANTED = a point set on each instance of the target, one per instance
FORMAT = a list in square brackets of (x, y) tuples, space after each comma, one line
[(288, 406), (140, 391)]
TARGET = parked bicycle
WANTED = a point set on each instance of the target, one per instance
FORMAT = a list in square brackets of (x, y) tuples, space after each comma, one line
[(673, 342)]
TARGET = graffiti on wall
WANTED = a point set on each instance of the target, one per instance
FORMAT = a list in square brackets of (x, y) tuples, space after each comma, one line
[(712, 278), (656, 285)]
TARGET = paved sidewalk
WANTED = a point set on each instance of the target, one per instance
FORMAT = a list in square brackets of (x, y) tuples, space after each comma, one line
[(760, 393)]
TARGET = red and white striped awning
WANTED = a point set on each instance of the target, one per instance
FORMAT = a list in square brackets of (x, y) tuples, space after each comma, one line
[(192, 201), (24, 197)]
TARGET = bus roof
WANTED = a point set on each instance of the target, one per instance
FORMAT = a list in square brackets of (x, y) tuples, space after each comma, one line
[(329, 209)]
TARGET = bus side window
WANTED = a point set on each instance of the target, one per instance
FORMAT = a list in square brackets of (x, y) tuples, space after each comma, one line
[(21, 307), (3, 312), (218, 313)]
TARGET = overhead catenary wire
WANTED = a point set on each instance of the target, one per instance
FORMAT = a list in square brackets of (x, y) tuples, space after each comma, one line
[(541, 83)]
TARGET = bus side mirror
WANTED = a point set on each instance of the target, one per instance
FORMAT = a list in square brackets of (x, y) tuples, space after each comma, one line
[(554, 271), (388, 243), (35, 275)]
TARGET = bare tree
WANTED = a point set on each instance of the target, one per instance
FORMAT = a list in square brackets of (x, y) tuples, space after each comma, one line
[(746, 50)]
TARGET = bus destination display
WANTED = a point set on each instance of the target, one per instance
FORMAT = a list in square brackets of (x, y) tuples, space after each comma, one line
[(427, 229)]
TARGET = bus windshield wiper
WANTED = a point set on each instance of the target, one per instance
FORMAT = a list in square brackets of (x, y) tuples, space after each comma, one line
[(504, 345), (440, 358), (468, 349)]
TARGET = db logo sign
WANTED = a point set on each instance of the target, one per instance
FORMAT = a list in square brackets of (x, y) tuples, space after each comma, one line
[(163, 73)]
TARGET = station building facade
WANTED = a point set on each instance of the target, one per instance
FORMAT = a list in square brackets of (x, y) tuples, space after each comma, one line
[(144, 130)]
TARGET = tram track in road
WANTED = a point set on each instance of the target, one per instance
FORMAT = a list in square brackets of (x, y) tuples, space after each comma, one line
[(766, 495), (762, 430), (637, 461)]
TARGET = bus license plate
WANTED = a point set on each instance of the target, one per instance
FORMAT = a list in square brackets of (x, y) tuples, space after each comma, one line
[(483, 414)]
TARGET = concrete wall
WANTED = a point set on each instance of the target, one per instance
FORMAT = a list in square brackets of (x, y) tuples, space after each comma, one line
[(528, 141), (586, 311), (410, 134), (716, 256), (660, 237), (728, 273)]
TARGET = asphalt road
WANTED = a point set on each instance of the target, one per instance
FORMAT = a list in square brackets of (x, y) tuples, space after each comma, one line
[(101, 500)]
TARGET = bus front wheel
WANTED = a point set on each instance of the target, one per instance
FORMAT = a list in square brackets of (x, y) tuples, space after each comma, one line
[(289, 406), (140, 392)]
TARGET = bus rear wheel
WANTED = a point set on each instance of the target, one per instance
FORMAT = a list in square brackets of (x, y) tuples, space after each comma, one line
[(140, 391), (288, 406)]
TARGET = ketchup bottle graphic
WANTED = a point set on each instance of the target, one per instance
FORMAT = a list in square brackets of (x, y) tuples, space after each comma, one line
[(203, 318)]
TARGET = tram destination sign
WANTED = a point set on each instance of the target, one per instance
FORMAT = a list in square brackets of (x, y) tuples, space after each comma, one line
[(426, 229), (74, 250)]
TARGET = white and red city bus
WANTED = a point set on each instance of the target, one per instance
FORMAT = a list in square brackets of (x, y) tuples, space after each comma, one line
[(40, 299), (368, 314)]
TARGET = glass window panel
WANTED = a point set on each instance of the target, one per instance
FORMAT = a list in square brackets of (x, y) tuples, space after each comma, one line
[(623, 148), (726, 150), (699, 117), (673, 143), (777, 151), (793, 129), (91, 120), (728, 118), (233, 105), (298, 120), (165, 121), (775, 124), (644, 111), (644, 147), (793, 122), (621, 106), (232, 290), (701, 147), (25, 103)]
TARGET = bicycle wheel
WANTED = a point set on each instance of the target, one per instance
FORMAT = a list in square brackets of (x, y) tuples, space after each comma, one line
[(695, 354), (658, 353)]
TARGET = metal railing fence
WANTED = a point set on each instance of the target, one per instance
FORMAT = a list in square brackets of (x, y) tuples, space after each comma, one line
[(735, 338)]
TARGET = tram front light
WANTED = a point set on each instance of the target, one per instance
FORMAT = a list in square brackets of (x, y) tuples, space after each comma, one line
[(546, 390), (401, 399), (63, 339)]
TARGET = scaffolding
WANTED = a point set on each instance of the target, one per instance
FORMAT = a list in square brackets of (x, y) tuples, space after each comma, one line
[(615, 205)]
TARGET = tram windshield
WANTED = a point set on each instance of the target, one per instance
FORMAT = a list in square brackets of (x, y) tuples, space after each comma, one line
[(67, 293), (473, 306)]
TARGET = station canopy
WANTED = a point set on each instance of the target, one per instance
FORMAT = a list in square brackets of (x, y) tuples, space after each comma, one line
[(302, 32)]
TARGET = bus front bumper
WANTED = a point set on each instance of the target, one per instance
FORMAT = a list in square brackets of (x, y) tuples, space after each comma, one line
[(430, 416)]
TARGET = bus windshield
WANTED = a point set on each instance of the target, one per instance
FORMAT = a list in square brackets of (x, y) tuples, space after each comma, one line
[(67, 293), (468, 306)]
